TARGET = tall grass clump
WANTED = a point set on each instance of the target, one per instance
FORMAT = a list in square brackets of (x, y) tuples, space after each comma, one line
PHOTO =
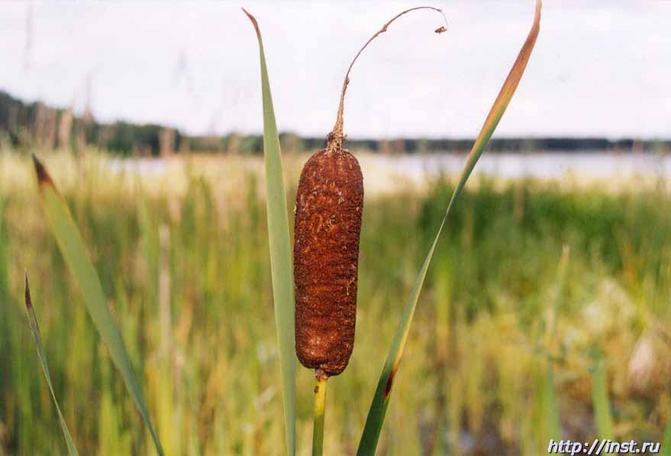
[(470, 381)]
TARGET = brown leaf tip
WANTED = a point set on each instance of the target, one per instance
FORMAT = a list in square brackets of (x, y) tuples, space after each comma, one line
[(43, 177), (28, 300), (254, 22)]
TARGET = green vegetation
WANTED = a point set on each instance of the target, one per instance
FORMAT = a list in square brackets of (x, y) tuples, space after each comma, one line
[(279, 243), (37, 338), (188, 280), (76, 257), (378, 408)]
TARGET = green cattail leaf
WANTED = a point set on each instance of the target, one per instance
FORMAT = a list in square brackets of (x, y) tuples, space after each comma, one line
[(280, 252), (4, 273), (666, 440), (378, 408), (77, 259), (37, 338), (547, 397), (553, 312), (548, 406), (602, 413)]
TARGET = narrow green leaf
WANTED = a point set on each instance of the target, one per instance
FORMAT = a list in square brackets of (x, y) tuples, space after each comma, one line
[(666, 440), (37, 338), (548, 392), (549, 406), (150, 246), (602, 413), (553, 312), (78, 262), (4, 273), (378, 408), (280, 251)]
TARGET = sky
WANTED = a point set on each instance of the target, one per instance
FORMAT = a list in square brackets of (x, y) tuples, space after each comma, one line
[(600, 68)]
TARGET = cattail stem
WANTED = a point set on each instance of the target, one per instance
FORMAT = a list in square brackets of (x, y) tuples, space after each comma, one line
[(320, 405), (336, 136)]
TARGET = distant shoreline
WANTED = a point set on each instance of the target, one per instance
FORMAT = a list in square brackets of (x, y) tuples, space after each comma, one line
[(30, 125)]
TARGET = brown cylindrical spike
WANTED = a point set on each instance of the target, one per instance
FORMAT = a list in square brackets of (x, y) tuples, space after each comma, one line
[(329, 205)]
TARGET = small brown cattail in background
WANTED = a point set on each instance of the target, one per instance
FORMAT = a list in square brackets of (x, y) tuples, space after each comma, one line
[(329, 205)]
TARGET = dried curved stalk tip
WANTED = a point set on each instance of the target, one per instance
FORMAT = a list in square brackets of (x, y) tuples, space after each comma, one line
[(329, 206), (336, 137)]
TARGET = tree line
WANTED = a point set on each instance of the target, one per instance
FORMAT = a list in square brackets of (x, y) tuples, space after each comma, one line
[(38, 125)]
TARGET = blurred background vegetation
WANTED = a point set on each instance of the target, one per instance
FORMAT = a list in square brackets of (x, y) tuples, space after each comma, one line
[(534, 284)]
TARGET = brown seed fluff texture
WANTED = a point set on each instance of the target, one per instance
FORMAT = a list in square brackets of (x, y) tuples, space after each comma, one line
[(329, 203)]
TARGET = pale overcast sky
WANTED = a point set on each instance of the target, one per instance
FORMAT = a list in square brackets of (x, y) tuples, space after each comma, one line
[(599, 67)]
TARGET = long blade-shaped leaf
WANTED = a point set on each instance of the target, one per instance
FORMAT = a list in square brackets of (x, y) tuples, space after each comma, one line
[(77, 259), (666, 440), (548, 393), (37, 338), (378, 408), (548, 405), (280, 252), (602, 413), (4, 276)]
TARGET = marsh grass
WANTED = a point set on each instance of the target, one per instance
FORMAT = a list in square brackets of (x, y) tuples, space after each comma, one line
[(37, 339), (470, 356), (58, 218)]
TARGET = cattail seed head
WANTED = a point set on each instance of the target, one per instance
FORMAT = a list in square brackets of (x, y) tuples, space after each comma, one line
[(329, 204)]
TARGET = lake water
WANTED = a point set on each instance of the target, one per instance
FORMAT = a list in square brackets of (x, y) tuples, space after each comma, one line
[(390, 173), (596, 165)]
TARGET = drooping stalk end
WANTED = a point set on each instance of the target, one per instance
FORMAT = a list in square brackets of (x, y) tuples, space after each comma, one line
[(254, 22), (319, 412), (336, 138)]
